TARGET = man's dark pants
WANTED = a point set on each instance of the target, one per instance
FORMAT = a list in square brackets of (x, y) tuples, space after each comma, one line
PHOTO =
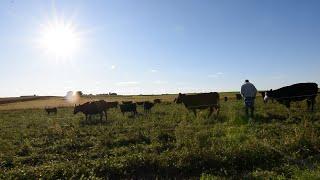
[(249, 104)]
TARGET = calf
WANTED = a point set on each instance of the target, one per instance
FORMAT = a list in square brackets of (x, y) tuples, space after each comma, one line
[(129, 108), (147, 106), (51, 110), (238, 96)]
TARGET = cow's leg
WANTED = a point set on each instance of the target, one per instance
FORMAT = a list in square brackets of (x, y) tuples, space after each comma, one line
[(210, 111), (309, 102), (313, 101), (217, 109), (101, 115), (105, 113), (86, 117)]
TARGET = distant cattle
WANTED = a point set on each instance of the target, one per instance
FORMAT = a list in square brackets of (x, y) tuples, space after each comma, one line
[(295, 92), (51, 110), (140, 103), (126, 102), (225, 99), (129, 108), (157, 101), (200, 101), (147, 106), (113, 104), (90, 108), (238, 96)]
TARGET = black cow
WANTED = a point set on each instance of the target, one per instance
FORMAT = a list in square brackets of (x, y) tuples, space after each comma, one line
[(90, 108), (51, 110), (238, 96), (147, 106), (129, 108), (295, 92), (200, 101), (225, 99)]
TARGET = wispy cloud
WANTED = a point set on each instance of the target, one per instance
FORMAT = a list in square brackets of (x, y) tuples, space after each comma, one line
[(216, 75), (128, 83), (153, 70), (160, 82)]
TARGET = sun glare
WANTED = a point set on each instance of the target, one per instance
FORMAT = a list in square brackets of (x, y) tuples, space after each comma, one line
[(60, 39)]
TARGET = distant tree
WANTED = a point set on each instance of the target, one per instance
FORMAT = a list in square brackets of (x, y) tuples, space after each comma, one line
[(79, 93)]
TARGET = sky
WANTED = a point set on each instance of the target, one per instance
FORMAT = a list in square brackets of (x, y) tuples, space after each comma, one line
[(158, 46)]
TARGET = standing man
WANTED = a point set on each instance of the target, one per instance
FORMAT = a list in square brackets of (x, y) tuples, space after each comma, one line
[(248, 92)]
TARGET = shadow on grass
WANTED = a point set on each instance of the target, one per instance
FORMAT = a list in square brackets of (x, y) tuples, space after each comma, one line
[(94, 121)]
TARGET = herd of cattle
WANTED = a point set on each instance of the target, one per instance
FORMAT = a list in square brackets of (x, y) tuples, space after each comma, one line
[(284, 95)]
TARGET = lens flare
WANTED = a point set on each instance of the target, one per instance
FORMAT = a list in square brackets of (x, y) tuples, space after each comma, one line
[(60, 39)]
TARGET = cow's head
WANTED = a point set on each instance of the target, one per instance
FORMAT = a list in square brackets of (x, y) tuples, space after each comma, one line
[(178, 100), (268, 95)]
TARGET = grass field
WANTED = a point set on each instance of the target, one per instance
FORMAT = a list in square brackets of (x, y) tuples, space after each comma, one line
[(170, 142)]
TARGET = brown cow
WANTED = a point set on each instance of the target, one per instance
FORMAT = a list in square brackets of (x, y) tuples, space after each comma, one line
[(140, 102), (90, 108), (157, 101), (200, 101), (113, 104)]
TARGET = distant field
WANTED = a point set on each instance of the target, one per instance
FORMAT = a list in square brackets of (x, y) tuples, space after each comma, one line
[(43, 101), (170, 142)]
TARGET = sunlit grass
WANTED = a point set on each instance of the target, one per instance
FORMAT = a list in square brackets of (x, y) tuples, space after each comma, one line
[(169, 142)]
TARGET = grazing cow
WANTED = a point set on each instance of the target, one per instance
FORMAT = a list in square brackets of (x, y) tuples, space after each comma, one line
[(51, 110), (200, 101), (225, 99), (129, 108), (157, 101), (90, 108), (126, 102), (238, 96), (140, 102), (113, 104), (147, 106), (295, 92)]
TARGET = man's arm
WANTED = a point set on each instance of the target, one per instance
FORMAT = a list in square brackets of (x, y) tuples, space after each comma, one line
[(242, 91)]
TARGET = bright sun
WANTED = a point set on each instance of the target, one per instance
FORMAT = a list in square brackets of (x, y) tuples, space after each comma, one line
[(60, 39)]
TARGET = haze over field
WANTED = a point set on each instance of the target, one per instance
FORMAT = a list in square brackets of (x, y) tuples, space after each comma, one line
[(144, 47)]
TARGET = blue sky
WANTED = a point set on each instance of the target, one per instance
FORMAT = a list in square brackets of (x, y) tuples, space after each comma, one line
[(167, 46)]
